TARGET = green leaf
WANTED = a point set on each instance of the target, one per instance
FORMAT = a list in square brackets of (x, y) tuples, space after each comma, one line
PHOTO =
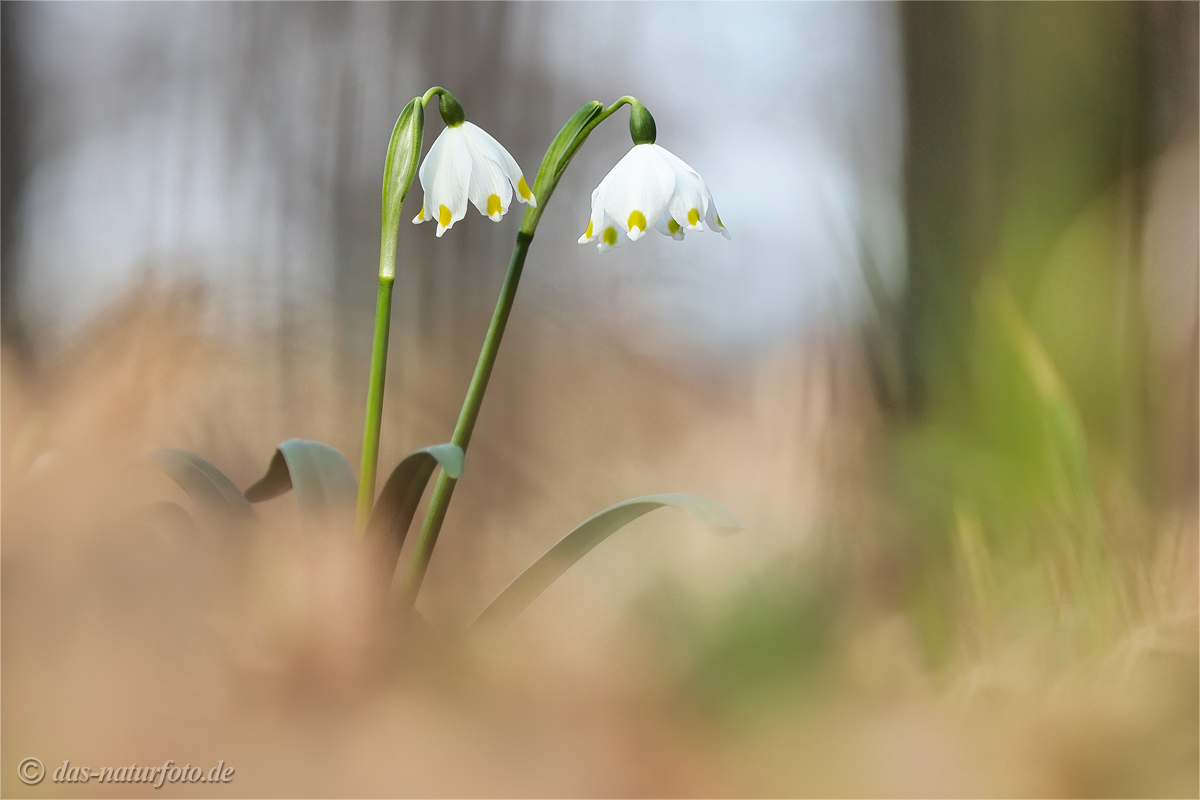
[(403, 157), (398, 502), (205, 484), (324, 483), (576, 544)]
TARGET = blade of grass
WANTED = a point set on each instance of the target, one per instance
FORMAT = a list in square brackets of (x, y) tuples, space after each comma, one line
[(575, 545)]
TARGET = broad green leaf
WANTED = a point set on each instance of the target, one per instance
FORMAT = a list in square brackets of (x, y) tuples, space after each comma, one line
[(397, 503), (324, 483), (579, 542), (205, 484)]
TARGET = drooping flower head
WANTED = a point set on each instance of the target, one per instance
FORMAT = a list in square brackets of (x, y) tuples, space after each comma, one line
[(649, 187), (466, 163)]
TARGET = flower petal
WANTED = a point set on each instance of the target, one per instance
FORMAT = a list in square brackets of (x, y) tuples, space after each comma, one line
[(689, 201), (445, 177), (486, 144), (669, 227), (712, 219), (611, 235), (489, 189), (636, 191), (429, 169), (595, 221)]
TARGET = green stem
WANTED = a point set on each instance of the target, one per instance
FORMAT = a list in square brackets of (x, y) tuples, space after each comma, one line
[(466, 421), (374, 415), (429, 95), (552, 168)]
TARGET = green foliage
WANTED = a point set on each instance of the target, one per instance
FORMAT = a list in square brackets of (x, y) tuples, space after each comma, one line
[(774, 640), (397, 503), (1023, 441), (526, 587), (325, 492), (322, 479), (206, 485)]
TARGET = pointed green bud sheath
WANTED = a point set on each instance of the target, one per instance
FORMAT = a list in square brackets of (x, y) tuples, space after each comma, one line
[(452, 110), (403, 157), (567, 142), (558, 155), (641, 124)]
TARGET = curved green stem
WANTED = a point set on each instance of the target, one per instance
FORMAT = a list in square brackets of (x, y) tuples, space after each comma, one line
[(549, 173), (429, 95), (568, 141)]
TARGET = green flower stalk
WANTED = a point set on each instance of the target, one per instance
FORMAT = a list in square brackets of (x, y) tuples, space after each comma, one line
[(404, 153), (464, 163), (679, 191)]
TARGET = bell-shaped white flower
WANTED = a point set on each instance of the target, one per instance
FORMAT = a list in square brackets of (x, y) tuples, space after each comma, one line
[(650, 187), (466, 163)]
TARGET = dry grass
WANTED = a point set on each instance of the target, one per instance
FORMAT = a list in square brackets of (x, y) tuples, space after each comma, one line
[(120, 647)]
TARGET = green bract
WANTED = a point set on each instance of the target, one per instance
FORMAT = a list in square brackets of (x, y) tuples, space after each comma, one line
[(403, 156), (558, 155)]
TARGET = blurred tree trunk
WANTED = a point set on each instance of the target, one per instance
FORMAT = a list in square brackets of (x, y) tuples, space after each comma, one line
[(12, 174), (1029, 128)]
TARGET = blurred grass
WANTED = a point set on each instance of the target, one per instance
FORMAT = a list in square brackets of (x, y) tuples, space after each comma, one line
[(995, 596), (1031, 532)]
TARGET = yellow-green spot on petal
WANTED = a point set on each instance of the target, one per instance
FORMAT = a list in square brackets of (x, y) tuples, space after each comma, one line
[(588, 233), (523, 188), (637, 220), (610, 236), (722, 224), (693, 217), (672, 226), (493, 205), (444, 217), (422, 215)]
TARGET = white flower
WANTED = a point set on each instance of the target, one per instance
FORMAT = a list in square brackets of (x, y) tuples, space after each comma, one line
[(650, 186), (466, 163)]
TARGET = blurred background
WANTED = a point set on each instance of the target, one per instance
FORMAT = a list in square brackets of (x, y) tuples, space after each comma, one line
[(946, 370)]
